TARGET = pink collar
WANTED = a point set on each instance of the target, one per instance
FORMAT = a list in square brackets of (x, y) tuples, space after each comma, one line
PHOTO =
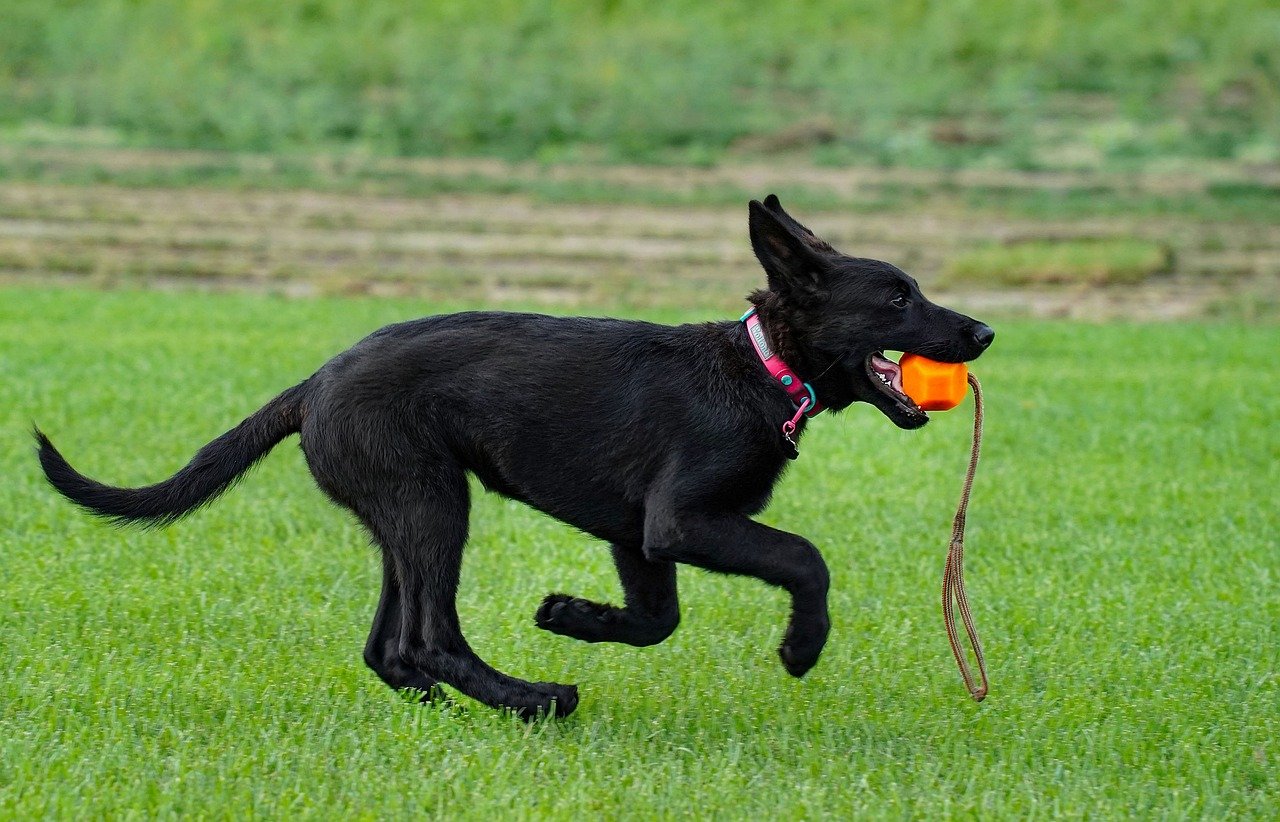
[(800, 392)]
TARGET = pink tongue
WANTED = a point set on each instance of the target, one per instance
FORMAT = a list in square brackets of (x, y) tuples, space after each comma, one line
[(890, 370)]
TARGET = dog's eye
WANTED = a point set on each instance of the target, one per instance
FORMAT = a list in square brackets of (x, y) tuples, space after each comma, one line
[(900, 301)]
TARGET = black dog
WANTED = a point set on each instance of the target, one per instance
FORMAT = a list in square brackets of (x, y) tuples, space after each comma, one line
[(662, 441)]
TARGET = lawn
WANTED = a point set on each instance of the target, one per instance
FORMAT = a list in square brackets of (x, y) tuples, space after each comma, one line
[(1123, 568)]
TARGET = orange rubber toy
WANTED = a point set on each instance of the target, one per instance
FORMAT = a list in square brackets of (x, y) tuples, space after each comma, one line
[(934, 386)]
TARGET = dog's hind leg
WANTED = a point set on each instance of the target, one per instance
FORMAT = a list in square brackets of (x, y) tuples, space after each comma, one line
[(651, 614), (423, 528), (382, 651)]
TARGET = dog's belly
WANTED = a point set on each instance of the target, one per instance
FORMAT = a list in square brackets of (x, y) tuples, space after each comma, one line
[(592, 507)]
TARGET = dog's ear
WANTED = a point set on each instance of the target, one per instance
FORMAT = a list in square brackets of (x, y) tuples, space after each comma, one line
[(810, 239), (795, 268)]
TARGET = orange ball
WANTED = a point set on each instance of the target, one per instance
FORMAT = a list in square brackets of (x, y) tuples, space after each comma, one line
[(934, 386)]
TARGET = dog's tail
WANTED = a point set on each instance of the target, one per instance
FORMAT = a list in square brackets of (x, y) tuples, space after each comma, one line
[(214, 469)]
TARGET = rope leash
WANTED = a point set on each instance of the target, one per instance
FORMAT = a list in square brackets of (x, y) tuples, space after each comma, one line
[(953, 594)]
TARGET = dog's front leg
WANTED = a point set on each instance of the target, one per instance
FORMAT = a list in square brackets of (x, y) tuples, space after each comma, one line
[(651, 614), (736, 544)]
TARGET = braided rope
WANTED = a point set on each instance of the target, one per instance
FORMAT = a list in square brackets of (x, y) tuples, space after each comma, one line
[(953, 594)]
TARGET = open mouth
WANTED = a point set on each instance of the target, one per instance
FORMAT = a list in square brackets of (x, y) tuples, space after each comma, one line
[(886, 377)]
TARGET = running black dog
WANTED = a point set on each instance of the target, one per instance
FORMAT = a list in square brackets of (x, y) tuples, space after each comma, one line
[(662, 441)]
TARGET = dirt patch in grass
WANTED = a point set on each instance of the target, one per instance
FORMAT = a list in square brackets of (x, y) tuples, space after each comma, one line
[(636, 237)]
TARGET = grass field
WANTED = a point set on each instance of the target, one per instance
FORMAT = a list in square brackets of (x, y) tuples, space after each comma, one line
[(1020, 84), (1123, 567)]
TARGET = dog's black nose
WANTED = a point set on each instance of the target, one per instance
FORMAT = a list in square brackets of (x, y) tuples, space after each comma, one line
[(983, 335)]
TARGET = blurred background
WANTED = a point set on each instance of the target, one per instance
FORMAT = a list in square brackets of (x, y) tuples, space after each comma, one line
[(1074, 158)]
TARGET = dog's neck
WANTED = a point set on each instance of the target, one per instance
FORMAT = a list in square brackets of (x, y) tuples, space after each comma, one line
[(786, 329), (781, 324)]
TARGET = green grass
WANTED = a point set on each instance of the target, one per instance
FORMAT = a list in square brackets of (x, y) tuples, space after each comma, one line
[(1122, 567), (1060, 262), (1024, 83)]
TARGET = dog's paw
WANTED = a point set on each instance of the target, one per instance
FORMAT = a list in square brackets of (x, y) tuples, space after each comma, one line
[(796, 662), (803, 643), (546, 699), (574, 617), (593, 622), (565, 697)]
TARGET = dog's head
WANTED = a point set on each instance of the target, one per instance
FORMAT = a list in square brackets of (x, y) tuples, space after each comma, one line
[(834, 316)]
